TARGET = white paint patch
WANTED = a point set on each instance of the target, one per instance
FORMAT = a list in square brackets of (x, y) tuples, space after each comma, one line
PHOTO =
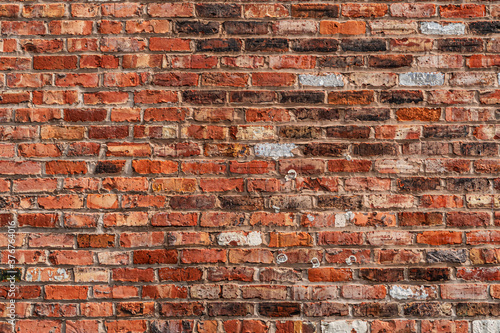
[(49, 274), (421, 79), (344, 326), (486, 326), (281, 258), (29, 275), (349, 261), (434, 28), (274, 150), (399, 292), (310, 217), (254, 238), (315, 262), (291, 175), (61, 275), (341, 220), (331, 80), (225, 239)]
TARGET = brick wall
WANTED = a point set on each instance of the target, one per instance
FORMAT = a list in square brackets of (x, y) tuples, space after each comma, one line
[(272, 166)]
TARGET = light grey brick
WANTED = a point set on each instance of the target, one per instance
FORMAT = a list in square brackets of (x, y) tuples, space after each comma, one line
[(486, 326), (421, 79), (434, 28), (330, 80), (274, 150), (344, 326)]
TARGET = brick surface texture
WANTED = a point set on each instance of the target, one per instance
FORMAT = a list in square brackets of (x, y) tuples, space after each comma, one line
[(250, 166)]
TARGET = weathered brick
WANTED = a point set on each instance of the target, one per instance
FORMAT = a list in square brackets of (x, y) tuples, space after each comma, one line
[(364, 10), (158, 146), (413, 10)]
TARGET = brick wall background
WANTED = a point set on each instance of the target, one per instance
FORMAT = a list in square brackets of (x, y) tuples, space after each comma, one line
[(160, 160)]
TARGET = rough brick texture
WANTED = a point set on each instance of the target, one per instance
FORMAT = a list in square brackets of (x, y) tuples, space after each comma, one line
[(251, 166)]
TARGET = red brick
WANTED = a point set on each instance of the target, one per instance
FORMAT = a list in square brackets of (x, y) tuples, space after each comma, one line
[(482, 237), (364, 292), (464, 291), (70, 27), (155, 96), (483, 274), (170, 9), (169, 44), (66, 292), (133, 274), (76, 115), (353, 97), (329, 274), (221, 185), (131, 326), (265, 10), (85, 10), (51, 240), (224, 79), (242, 62), (342, 28), (102, 201), (38, 220), (105, 97), (418, 114), (12, 63), (194, 61), (82, 44), (23, 28), (254, 167), (462, 11), (396, 326), (235, 326), (39, 150), (28, 80), (250, 256), (156, 26), (150, 257), (128, 149), (364, 10), (55, 62), (14, 98), (99, 61), (349, 166), (110, 27), (164, 291), (65, 167), (43, 10), (439, 237), (45, 326), (203, 256), (163, 167), (180, 274), (483, 61)]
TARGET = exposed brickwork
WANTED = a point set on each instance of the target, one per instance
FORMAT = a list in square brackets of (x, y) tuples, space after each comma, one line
[(244, 166)]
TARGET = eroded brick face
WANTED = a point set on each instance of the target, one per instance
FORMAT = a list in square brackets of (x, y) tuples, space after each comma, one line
[(238, 166)]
